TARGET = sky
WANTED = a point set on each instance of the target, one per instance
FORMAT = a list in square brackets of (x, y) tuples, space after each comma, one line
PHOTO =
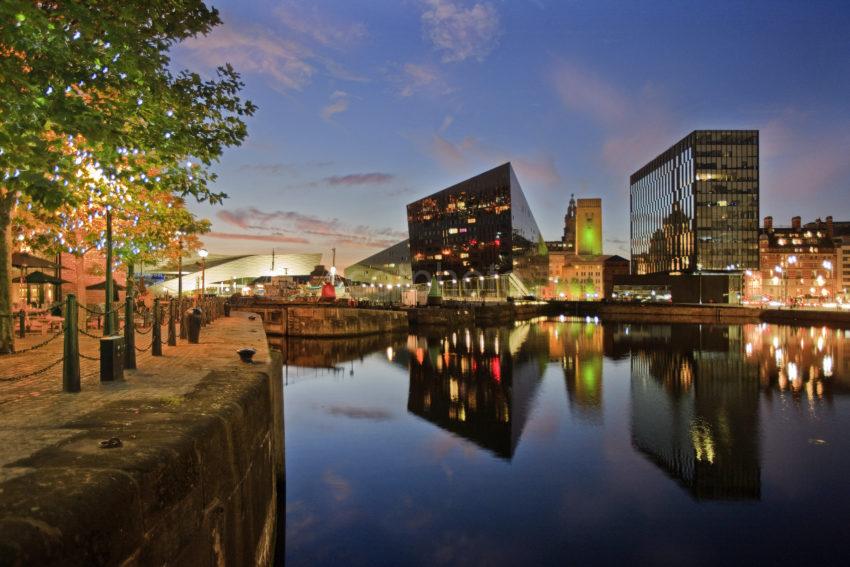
[(365, 106)]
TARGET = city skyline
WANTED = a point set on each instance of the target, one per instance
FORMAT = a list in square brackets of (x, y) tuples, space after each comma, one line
[(364, 108)]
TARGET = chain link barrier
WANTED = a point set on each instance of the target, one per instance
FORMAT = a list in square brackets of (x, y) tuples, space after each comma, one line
[(33, 373)]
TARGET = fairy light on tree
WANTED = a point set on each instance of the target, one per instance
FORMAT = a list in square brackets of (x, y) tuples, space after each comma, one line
[(88, 85)]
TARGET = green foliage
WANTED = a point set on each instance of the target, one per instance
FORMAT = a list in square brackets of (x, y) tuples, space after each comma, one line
[(92, 117), (93, 77)]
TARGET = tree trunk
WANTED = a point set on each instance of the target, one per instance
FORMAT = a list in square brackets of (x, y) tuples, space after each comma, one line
[(82, 293), (7, 335)]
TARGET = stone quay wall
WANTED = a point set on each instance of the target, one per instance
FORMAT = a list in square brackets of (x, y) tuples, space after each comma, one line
[(193, 483), (316, 320), (718, 314)]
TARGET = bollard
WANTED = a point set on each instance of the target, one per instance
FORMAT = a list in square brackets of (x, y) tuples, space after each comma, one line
[(112, 358), (226, 308), (172, 329), (156, 330), (129, 335), (22, 332), (182, 309), (71, 353), (194, 317)]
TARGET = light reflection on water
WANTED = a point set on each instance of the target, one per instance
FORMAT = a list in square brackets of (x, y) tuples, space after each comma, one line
[(569, 441)]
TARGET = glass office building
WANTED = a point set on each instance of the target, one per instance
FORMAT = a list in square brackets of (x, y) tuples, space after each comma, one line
[(695, 207), (479, 228)]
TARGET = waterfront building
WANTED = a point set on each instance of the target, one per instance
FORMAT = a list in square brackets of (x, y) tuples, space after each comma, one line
[(224, 274), (798, 263), (481, 231), (582, 227), (583, 277), (390, 266), (695, 207), (568, 241), (841, 241)]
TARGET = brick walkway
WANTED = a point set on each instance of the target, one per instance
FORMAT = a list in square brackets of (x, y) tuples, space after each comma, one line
[(33, 410)]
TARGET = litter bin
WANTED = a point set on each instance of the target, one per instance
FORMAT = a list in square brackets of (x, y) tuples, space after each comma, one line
[(194, 317)]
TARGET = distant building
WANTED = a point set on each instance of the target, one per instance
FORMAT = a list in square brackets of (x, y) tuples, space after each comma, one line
[(227, 274), (583, 227), (479, 228), (841, 239), (568, 241), (389, 266), (583, 277), (695, 207), (798, 263), (588, 226)]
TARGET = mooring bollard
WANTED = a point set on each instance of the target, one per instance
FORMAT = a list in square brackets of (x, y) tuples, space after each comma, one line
[(156, 330), (71, 351), (129, 334), (195, 318), (172, 328)]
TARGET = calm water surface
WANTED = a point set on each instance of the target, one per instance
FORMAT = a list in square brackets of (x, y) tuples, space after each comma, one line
[(569, 442)]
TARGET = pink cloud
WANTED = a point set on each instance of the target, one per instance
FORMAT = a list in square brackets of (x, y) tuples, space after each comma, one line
[(470, 154), (257, 237), (582, 91)]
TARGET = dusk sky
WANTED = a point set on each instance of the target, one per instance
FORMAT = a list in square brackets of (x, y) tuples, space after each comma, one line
[(367, 106)]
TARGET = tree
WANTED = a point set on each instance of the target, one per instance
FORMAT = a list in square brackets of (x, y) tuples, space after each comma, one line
[(85, 88)]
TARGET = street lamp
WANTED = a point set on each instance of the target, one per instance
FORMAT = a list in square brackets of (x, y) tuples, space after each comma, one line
[(203, 254)]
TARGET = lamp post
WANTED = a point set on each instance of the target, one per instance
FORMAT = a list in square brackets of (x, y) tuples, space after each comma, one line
[(203, 254), (109, 326)]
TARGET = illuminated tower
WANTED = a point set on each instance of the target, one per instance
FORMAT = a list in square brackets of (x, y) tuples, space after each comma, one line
[(569, 238), (588, 226)]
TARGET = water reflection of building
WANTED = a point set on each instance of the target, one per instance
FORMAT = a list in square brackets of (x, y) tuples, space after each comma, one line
[(695, 407), (578, 347), (809, 363), (476, 383)]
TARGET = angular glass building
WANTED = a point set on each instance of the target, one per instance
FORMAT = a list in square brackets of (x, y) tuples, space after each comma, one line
[(695, 207), (389, 266), (480, 229)]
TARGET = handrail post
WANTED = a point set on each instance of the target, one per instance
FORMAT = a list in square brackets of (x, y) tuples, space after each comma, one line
[(71, 351), (129, 334), (182, 308), (156, 330), (172, 329)]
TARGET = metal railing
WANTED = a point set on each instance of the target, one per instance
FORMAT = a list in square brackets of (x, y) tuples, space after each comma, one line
[(170, 313)]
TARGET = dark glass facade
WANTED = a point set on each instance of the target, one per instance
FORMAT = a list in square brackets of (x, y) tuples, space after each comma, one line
[(479, 227), (696, 206)]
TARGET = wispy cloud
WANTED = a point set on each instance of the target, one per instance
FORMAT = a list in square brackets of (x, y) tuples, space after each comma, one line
[(288, 62), (373, 178), (257, 237), (354, 412), (339, 104), (582, 91), (299, 224), (470, 154), (447, 121), (319, 27), (459, 32), (416, 78), (636, 124), (253, 49)]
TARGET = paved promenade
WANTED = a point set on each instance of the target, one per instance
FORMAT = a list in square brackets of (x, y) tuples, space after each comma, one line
[(34, 411)]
